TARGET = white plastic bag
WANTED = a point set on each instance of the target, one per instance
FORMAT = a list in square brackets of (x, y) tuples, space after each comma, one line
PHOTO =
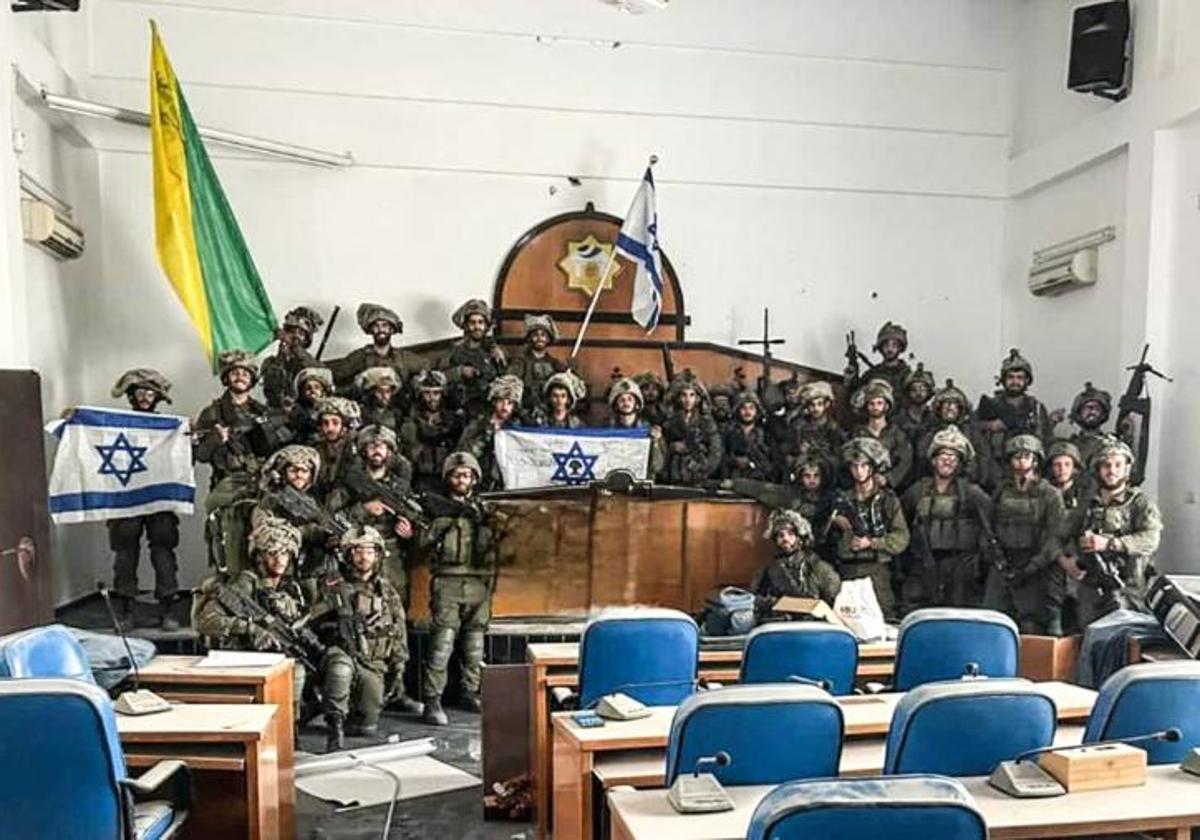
[(858, 608)]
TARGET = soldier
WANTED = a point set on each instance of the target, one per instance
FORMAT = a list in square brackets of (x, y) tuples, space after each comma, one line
[(950, 407), (871, 521), (145, 389), (267, 584), (795, 571), (807, 490), (474, 360), (291, 357), (748, 453), (720, 397), (462, 558), (361, 617), (653, 410), (784, 421), (536, 364), (381, 324), (338, 420), (557, 408), (1028, 519), (1010, 410), (890, 342), (1066, 474), (913, 417), (944, 513), (625, 412), (224, 427), (379, 396), (815, 431), (363, 495), (312, 385), (692, 440), (479, 436), (1111, 539), (876, 400), (292, 469), (430, 432), (1089, 412)]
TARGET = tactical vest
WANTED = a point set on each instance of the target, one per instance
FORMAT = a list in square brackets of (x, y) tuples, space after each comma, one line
[(465, 548), (380, 632), (1111, 520), (1018, 519), (951, 522), (875, 518)]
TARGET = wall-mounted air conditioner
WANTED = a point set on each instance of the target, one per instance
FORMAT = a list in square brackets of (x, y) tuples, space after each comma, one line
[(1068, 265), (51, 230)]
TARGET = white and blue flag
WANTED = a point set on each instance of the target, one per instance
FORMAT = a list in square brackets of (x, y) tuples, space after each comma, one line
[(638, 241), (569, 457), (112, 463)]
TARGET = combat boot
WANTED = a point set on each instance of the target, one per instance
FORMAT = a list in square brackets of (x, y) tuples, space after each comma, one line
[(434, 715), (407, 705), (335, 740), (472, 703)]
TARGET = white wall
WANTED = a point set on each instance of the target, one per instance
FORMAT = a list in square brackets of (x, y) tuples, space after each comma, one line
[(844, 163)]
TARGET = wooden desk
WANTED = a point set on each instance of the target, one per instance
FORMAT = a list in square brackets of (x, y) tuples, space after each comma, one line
[(575, 749), (557, 664), (179, 680), (233, 755), (1168, 802)]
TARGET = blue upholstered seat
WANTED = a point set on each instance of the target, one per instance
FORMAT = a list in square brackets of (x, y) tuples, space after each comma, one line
[(49, 651), (894, 808), (773, 732), (778, 651), (966, 728), (1147, 698), (648, 654), (62, 771), (942, 643)]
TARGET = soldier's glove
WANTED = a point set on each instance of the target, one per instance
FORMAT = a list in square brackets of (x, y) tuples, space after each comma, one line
[(263, 640)]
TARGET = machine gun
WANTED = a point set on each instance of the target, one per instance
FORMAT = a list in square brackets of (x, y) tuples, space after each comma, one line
[(1134, 404), (1102, 570), (397, 503), (298, 641), (301, 507)]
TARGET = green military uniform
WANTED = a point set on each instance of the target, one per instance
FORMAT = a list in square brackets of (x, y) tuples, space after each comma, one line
[(404, 362), (899, 447), (361, 617), (1021, 413), (634, 420), (376, 409), (337, 456), (303, 418), (479, 436), (883, 518), (693, 441), (651, 386), (469, 393), (535, 367), (951, 408), (913, 415), (273, 506), (280, 370), (1089, 437), (822, 436), (747, 450), (895, 370), (1028, 524), (543, 415), (798, 574)]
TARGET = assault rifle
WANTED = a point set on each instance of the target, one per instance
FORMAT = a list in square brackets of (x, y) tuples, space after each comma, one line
[(990, 548), (298, 641), (396, 502), (1102, 569), (842, 506), (995, 407), (920, 548), (855, 358), (1133, 402), (301, 507)]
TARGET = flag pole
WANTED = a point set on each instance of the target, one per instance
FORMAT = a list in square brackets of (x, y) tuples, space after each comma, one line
[(612, 258)]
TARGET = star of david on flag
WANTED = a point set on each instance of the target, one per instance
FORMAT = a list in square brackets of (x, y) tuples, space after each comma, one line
[(569, 457), (115, 463)]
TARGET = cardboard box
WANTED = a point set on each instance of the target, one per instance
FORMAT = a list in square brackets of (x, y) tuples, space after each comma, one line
[(813, 608), (1046, 658)]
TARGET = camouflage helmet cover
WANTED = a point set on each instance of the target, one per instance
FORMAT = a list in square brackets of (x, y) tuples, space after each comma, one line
[(369, 313), (143, 378), (474, 306), (1024, 443), (869, 450), (348, 410), (954, 440), (428, 380), (313, 374), (951, 393), (744, 397), (376, 377), (231, 359), (273, 536), (1064, 447), (1015, 361), (506, 387), (461, 459), (891, 330), (781, 519), (293, 455), (364, 535), (625, 385), (874, 389), (1111, 445), (565, 379), (540, 322), (919, 374), (376, 434), (650, 378), (1091, 393), (304, 317), (685, 380), (818, 389)]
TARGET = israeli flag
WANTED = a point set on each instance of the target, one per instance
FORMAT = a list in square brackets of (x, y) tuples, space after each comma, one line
[(568, 457), (112, 463), (638, 241)]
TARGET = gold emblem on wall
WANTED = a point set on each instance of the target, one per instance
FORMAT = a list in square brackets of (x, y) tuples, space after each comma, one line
[(583, 262)]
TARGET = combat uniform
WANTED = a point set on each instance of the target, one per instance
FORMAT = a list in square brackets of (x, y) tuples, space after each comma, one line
[(479, 436), (894, 371), (1021, 414), (376, 412), (272, 505), (337, 456), (915, 418), (658, 454), (653, 410), (1089, 438), (280, 370), (702, 451), (304, 416), (543, 416), (236, 457), (894, 440), (982, 469), (469, 394), (798, 574), (535, 369), (747, 451), (404, 362)]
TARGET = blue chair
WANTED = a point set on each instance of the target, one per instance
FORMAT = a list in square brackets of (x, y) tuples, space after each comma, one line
[(1147, 698), (944, 644), (895, 808), (650, 655), (966, 728), (773, 733), (49, 651), (63, 772), (781, 650)]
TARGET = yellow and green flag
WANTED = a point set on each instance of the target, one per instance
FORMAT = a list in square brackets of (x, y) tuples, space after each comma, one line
[(199, 244)]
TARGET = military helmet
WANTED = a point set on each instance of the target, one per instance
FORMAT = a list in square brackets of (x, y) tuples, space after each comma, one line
[(744, 397), (376, 377), (1015, 361), (1064, 447), (293, 455), (954, 440), (306, 318), (1111, 445), (565, 379), (810, 460), (951, 393), (348, 410), (428, 380), (376, 434), (273, 536), (650, 378), (687, 379), (919, 374), (1090, 393), (818, 389), (313, 374), (721, 389), (891, 330), (143, 378), (869, 450), (506, 387), (474, 306), (369, 313), (781, 519), (363, 535), (1024, 443), (625, 385), (460, 459), (540, 322), (874, 389), (231, 359)]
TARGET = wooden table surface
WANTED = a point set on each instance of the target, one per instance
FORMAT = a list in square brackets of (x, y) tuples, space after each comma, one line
[(185, 670), (209, 723)]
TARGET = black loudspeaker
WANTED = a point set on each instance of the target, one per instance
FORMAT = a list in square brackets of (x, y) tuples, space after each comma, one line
[(1099, 41)]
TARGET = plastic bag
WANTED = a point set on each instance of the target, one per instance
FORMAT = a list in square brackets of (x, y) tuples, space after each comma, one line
[(858, 608)]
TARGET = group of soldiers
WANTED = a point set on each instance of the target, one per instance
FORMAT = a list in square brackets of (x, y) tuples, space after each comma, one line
[(324, 495)]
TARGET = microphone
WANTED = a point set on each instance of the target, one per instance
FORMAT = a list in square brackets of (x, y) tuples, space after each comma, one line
[(1171, 735), (721, 759), (826, 685), (112, 614), (139, 701)]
